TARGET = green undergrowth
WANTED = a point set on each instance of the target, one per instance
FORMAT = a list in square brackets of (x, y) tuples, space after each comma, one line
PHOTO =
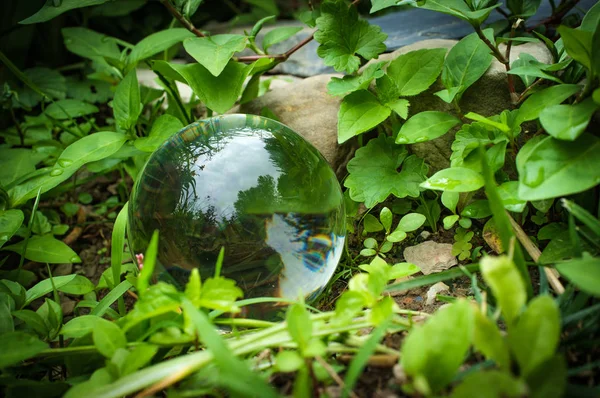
[(519, 181)]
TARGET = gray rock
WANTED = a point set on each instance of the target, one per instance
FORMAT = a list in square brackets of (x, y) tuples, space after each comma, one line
[(306, 108), (430, 256)]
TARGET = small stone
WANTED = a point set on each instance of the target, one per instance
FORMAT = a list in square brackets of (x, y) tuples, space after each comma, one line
[(434, 290), (62, 269), (430, 256), (67, 305), (424, 235)]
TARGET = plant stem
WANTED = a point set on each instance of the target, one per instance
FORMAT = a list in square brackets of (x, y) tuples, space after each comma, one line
[(558, 13), (17, 126), (503, 60), (182, 20), (278, 57)]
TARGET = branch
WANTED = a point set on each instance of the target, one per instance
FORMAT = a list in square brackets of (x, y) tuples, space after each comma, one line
[(278, 57), (183, 20), (563, 8)]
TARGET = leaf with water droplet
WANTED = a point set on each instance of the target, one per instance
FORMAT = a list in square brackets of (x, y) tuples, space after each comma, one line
[(56, 172), (64, 162)]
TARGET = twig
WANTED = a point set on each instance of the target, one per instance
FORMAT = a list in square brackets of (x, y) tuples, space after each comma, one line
[(563, 8), (502, 12), (17, 126), (503, 60), (535, 253), (333, 374), (182, 20), (278, 57)]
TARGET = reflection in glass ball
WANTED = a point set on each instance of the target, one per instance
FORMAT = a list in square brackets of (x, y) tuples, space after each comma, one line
[(253, 186)]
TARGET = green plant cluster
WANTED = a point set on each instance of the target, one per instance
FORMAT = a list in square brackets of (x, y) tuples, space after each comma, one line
[(510, 339)]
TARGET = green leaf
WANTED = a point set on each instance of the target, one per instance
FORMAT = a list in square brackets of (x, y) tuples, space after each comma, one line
[(548, 379), (33, 320), (343, 37), (108, 337), (578, 44), (288, 361), (145, 275), (348, 84), (299, 325), (88, 149), (81, 326), (378, 5), (450, 200), (218, 93), (155, 43), (455, 179), (127, 105), (374, 176), (386, 218), (214, 52), (503, 277), (449, 221), (567, 122), (523, 8), (140, 356), (220, 293), (162, 129), (360, 111), (537, 102), (591, 19), (558, 168), (411, 222), (46, 249), (460, 9), (53, 9), (466, 62), (10, 222), (278, 35), (69, 109), (489, 384), (488, 340), (49, 81), (582, 272), (371, 224), (80, 285), (46, 286), (432, 353), (396, 236), (415, 71), (104, 304), (534, 338), (89, 44), (425, 126), (400, 106), (508, 192), (17, 347)]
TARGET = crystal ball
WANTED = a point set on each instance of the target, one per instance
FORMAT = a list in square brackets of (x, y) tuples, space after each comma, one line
[(252, 186)]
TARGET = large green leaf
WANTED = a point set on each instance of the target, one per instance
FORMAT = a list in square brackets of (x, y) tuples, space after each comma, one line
[(18, 346), (53, 9), (523, 8), (162, 128), (558, 168), (88, 149), (415, 71), (537, 102), (69, 109), (455, 179), (567, 122), (360, 111), (108, 338), (466, 62), (535, 336), (460, 9), (343, 37), (278, 35), (10, 222), (46, 286), (433, 352), (348, 84), (425, 126), (89, 44), (374, 172), (583, 272), (45, 249), (218, 93), (578, 44), (214, 52), (16, 163), (502, 276), (126, 104), (155, 43)]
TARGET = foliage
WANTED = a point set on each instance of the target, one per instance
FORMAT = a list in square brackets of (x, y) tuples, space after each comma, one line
[(96, 121)]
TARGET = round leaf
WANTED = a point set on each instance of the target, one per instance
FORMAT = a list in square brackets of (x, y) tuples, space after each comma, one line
[(455, 179), (410, 222), (425, 126)]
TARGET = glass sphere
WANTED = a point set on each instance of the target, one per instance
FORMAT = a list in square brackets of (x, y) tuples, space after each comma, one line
[(253, 186)]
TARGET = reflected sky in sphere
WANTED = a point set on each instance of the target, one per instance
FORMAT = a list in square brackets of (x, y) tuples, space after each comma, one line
[(252, 186)]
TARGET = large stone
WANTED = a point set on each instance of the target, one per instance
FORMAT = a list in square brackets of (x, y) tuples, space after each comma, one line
[(430, 256), (488, 96), (306, 108)]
